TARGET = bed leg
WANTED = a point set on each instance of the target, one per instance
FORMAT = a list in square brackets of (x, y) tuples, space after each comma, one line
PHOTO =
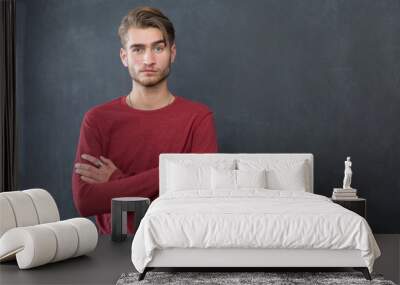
[(143, 274), (364, 271)]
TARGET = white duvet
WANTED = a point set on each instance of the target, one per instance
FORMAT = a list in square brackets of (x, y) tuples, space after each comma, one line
[(250, 218)]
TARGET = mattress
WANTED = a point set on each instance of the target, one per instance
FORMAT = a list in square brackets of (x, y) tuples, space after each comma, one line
[(251, 219)]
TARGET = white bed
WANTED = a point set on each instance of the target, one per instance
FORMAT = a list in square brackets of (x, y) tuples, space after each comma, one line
[(247, 210)]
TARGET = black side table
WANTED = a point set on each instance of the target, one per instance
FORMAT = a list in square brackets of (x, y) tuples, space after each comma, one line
[(357, 205), (119, 209)]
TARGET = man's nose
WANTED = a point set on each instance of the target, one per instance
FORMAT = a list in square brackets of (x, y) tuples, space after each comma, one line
[(149, 57)]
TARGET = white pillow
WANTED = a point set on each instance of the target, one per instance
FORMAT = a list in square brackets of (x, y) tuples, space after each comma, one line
[(223, 179), (251, 178), (193, 175), (183, 177), (236, 179), (281, 174)]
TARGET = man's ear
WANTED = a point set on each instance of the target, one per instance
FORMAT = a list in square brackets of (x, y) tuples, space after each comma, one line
[(173, 52), (124, 57)]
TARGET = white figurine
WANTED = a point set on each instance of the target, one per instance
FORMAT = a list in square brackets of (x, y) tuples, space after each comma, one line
[(347, 174)]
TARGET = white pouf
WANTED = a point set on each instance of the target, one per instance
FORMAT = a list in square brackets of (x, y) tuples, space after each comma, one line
[(40, 244), (31, 233), (26, 208)]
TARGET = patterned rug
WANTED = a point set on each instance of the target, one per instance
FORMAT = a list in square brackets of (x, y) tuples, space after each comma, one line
[(243, 278)]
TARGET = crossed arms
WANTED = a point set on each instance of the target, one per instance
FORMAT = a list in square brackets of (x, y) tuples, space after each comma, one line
[(97, 179)]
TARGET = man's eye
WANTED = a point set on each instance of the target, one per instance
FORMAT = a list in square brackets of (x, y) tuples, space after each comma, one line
[(159, 49), (137, 50)]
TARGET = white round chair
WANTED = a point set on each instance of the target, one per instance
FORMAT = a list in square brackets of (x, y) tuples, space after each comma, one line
[(31, 231)]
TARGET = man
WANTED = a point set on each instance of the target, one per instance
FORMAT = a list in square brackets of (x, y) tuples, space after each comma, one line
[(121, 140)]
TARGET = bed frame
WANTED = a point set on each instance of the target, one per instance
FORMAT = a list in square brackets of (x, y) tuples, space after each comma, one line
[(241, 259)]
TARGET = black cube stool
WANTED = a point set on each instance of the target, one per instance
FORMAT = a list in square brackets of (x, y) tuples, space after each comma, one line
[(119, 209)]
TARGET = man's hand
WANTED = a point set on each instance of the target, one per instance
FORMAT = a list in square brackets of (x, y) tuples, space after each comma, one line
[(99, 172)]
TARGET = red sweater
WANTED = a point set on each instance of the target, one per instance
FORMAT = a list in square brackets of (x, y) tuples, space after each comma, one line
[(133, 139)]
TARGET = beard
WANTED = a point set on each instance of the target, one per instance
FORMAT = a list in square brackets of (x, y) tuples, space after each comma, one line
[(150, 81)]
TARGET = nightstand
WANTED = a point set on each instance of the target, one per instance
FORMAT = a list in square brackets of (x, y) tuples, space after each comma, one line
[(358, 205), (119, 209)]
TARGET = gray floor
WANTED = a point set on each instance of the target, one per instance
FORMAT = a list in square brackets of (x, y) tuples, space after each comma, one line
[(102, 266), (389, 262), (110, 260)]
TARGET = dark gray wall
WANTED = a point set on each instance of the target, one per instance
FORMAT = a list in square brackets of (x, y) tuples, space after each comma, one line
[(281, 76)]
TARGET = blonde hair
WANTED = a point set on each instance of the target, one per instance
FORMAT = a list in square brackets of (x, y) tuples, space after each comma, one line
[(146, 17)]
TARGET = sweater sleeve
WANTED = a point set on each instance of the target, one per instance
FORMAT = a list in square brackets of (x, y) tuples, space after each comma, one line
[(95, 199), (204, 137)]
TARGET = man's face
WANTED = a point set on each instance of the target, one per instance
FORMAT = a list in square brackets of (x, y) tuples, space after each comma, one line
[(147, 56)]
